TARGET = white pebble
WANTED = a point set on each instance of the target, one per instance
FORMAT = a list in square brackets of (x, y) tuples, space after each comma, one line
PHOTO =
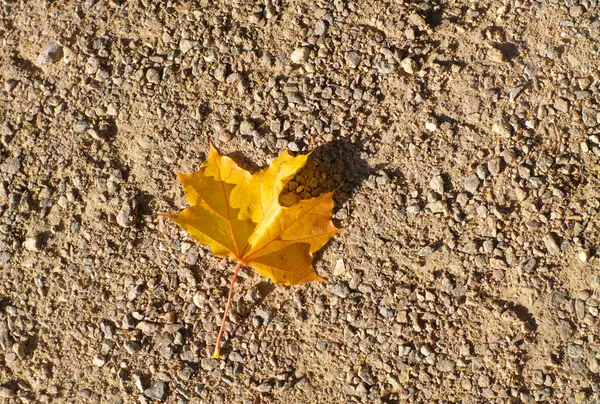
[(31, 244), (340, 268), (583, 255), (430, 126), (408, 65), (98, 361), (300, 55)]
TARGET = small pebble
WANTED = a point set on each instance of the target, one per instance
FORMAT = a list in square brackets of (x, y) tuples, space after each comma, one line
[(51, 53), (430, 126), (185, 45), (551, 244), (152, 76), (32, 244), (132, 347), (437, 184), (472, 184), (494, 166), (81, 126), (99, 361), (221, 72), (157, 392), (321, 28), (339, 290), (352, 59), (264, 387), (574, 351), (408, 65), (340, 268), (300, 55), (5, 392), (584, 255)]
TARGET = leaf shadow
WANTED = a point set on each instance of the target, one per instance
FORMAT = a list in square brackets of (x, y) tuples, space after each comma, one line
[(338, 165), (244, 161)]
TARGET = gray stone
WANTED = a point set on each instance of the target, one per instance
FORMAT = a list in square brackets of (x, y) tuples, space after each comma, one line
[(134, 292), (353, 59), (366, 376), (576, 11), (361, 390), (509, 155), (209, 364), (92, 66), (246, 128), (437, 207), (293, 146), (579, 309), (148, 328), (562, 105), (494, 166), (584, 255), (235, 356), (502, 128), (590, 116), (445, 365), (472, 184), (221, 72), (545, 162), (413, 209), (185, 45), (551, 244), (426, 251), (481, 171), (152, 76), (321, 27), (386, 312), (11, 166), (132, 347), (574, 351), (417, 20), (264, 387), (51, 53), (339, 290), (185, 373), (483, 381), (125, 215), (524, 171), (593, 365), (470, 248), (5, 257), (157, 392), (81, 126)]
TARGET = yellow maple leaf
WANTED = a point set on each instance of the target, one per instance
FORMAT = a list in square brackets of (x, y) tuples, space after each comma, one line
[(237, 214)]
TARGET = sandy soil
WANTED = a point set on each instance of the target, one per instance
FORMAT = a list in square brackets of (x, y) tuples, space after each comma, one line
[(463, 141)]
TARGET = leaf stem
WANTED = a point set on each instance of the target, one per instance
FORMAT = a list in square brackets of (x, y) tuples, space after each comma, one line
[(217, 353)]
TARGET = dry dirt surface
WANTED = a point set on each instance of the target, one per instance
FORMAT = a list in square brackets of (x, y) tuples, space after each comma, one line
[(462, 139)]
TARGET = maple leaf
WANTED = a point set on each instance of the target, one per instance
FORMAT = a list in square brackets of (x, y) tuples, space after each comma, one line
[(238, 215)]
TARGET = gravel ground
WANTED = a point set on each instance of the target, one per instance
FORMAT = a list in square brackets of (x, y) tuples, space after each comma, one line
[(463, 139)]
